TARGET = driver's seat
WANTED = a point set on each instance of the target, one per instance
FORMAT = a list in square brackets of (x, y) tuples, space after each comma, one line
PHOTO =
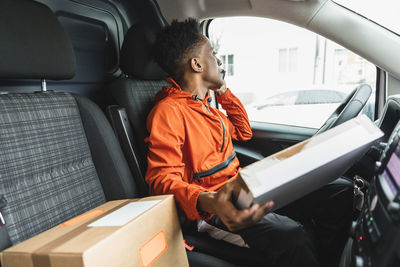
[(135, 92)]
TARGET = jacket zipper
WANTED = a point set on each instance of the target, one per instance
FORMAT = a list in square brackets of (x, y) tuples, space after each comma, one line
[(223, 130), (222, 166)]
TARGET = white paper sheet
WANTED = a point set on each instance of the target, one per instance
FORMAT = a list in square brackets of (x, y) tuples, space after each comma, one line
[(124, 214)]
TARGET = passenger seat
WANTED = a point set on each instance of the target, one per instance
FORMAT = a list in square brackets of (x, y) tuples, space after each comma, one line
[(59, 155)]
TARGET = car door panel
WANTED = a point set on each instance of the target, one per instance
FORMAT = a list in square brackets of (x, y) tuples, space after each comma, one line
[(269, 138)]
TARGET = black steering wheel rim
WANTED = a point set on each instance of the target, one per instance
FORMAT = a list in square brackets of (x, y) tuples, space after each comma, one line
[(349, 108)]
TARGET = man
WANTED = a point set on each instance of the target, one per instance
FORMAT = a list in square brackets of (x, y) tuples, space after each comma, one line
[(191, 155)]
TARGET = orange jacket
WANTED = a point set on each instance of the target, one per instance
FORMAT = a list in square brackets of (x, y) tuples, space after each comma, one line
[(190, 145)]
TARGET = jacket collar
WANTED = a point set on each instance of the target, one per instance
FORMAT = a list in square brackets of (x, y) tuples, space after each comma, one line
[(175, 85)]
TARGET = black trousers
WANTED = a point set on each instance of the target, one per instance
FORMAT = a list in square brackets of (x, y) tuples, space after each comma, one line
[(309, 232)]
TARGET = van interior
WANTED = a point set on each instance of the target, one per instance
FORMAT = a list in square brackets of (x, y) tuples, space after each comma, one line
[(77, 80)]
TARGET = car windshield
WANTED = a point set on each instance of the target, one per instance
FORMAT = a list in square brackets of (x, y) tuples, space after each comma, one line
[(382, 12), (303, 97), (286, 72)]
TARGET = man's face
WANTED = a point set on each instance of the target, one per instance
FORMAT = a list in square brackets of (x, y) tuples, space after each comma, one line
[(210, 63)]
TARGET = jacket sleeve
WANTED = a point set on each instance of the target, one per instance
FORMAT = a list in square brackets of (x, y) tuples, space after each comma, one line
[(238, 122), (165, 163)]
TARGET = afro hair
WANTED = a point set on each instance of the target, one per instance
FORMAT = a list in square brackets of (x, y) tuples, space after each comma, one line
[(174, 44)]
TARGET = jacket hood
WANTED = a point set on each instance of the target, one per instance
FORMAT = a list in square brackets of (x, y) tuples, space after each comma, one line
[(175, 91)]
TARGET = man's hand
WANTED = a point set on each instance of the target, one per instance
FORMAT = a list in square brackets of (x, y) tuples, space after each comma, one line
[(221, 90), (220, 203)]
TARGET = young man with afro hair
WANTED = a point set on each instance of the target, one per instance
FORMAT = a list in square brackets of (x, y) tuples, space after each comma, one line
[(191, 156)]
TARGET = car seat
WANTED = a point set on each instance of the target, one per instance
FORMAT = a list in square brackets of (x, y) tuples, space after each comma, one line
[(59, 155), (135, 92)]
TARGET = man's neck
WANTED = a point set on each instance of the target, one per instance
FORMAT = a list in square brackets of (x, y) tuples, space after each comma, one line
[(193, 86)]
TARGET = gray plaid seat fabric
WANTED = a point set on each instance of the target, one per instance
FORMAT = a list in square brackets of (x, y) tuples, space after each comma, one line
[(46, 170), (58, 154)]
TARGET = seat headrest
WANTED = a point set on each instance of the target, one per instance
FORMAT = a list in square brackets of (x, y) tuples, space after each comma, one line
[(136, 58), (33, 44)]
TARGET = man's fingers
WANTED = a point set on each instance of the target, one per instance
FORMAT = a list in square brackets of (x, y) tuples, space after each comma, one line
[(255, 212), (236, 219), (268, 206), (230, 214), (246, 217), (262, 211)]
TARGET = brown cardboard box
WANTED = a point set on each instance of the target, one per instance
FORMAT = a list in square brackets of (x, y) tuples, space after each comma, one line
[(300, 169), (113, 234)]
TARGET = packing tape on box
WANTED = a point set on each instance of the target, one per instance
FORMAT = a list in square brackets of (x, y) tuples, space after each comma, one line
[(42, 259), (153, 248)]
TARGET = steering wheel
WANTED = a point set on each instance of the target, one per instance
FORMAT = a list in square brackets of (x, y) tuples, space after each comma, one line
[(349, 108)]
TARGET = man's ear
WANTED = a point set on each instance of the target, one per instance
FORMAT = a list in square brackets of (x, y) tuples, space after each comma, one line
[(196, 65)]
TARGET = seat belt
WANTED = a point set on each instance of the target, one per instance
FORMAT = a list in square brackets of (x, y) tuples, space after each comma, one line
[(123, 131), (5, 241)]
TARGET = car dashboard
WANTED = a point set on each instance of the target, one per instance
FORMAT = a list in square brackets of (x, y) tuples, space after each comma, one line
[(376, 232)]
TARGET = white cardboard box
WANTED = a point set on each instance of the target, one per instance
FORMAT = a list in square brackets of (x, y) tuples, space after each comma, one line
[(302, 168)]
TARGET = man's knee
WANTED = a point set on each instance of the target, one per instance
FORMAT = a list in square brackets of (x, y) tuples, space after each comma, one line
[(282, 231), (294, 247), (299, 247), (340, 188), (283, 240), (340, 198), (295, 236)]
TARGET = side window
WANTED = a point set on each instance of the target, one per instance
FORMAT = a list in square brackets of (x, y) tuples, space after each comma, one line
[(285, 74)]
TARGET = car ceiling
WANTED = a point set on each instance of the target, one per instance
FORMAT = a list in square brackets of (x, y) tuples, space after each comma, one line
[(324, 17)]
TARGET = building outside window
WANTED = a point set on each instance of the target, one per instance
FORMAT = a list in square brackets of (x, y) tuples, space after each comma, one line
[(287, 59), (223, 60), (228, 64)]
